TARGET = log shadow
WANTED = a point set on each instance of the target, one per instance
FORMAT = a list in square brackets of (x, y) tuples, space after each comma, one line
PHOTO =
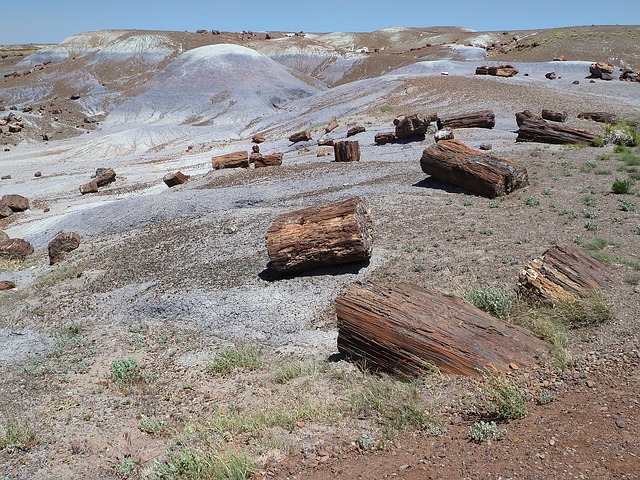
[(270, 275), (432, 182)]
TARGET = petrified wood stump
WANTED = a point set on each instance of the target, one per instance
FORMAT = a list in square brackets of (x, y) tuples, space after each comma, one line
[(347, 151), (454, 162), (561, 273), (239, 159), (402, 328), (173, 179), (480, 119), (535, 129), (319, 236)]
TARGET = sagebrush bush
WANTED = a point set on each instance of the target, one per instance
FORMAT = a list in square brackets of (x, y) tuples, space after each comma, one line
[(492, 300)]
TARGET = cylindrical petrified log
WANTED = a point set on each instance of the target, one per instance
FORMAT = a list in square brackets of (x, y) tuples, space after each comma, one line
[(272, 160), (561, 273), (552, 116), (535, 129), (238, 159), (303, 136), (454, 162), (601, 117), (325, 235), (173, 179), (384, 138), (404, 328), (347, 151), (481, 119), (356, 130)]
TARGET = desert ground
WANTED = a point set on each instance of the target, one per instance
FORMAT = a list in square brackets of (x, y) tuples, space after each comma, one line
[(163, 348)]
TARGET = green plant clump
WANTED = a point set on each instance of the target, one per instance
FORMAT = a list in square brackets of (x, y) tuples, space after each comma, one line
[(126, 371), (503, 398), (495, 301), (16, 435), (152, 426), (532, 201), (626, 205), (191, 465), (620, 187), (248, 357), (482, 431)]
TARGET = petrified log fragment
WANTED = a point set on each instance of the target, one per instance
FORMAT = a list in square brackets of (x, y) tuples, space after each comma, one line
[(535, 129), (403, 328), (104, 176), (62, 244), (16, 203), (497, 70), (300, 137), (272, 160), (325, 235), (347, 151), (445, 134), (555, 116), (355, 130), (454, 162), (601, 117), (6, 285), (173, 179), (410, 126), (258, 138), (331, 126), (90, 187), (325, 141), (480, 119), (239, 159), (562, 273), (15, 248), (384, 138)]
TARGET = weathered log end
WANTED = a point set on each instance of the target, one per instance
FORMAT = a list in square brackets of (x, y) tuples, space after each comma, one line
[(173, 179), (239, 159), (347, 151), (560, 274), (454, 162), (326, 235), (400, 329), (480, 119)]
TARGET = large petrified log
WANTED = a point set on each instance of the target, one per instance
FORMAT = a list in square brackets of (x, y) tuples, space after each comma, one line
[(454, 162), (553, 116), (239, 159), (411, 126), (17, 203), (347, 151), (480, 119), (272, 160), (15, 248), (601, 117), (497, 70), (536, 129), (561, 273), (403, 328), (62, 244), (325, 235)]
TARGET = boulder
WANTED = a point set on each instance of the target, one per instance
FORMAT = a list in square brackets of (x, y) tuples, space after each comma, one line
[(602, 70), (16, 203), (62, 244), (15, 248), (411, 126), (258, 138)]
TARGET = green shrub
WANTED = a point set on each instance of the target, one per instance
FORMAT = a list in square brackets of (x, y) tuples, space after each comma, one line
[(482, 431), (492, 300), (621, 186), (626, 205), (503, 398), (126, 371), (247, 357), (545, 397)]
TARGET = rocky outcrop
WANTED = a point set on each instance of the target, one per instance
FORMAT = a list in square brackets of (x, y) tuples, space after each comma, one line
[(603, 70), (17, 203)]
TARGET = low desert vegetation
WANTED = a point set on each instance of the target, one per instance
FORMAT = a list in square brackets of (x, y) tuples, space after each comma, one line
[(502, 398), (228, 360), (481, 431)]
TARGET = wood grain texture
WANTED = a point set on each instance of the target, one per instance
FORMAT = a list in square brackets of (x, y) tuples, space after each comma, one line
[(398, 328), (239, 159), (480, 119), (347, 151), (536, 129)]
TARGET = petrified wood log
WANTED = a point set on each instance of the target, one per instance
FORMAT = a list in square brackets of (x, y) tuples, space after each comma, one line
[(62, 244), (273, 160), (445, 134), (239, 159), (536, 129), (411, 126), (555, 116), (173, 179), (384, 138), (258, 138), (331, 126), (497, 70), (355, 130), (402, 328), (91, 187), (325, 141), (319, 236), (481, 119), (104, 176), (300, 137), (7, 285), (562, 273), (17, 203), (601, 117), (454, 162), (348, 151), (15, 248)]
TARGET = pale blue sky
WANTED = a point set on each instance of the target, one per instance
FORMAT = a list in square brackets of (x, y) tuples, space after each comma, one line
[(50, 21)]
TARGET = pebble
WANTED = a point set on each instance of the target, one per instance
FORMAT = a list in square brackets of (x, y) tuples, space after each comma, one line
[(404, 467), (590, 383)]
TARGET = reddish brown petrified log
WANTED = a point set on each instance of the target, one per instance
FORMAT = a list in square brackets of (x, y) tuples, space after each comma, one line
[(303, 136), (15, 248), (347, 151), (536, 129), (258, 138), (272, 160), (411, 126), (325, 235), (62, 244), (562, 273), (6, 285), (355, 130), (404, 328), (173, 179), (384, 138), (238, 159), (552, 116), (601, 117), (497, 70), (454, 162), (480, 119)]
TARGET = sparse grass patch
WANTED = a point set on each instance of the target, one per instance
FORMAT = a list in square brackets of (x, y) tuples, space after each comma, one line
[(294, 369), (599, 243), (495, 202), (152, 426), (582, 312), (531, 201), (616, 260), (503, 400), (192, 465), (621, 186), (589, 200), (60, 274), (495, 301), (10, 264), (591, 226), (17, 435), (247, 357)]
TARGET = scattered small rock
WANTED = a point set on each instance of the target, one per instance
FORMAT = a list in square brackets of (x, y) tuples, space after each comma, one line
[(173, 179), (258, 138), (5, 177), (485, 146), (550, 75), (37, 174)]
